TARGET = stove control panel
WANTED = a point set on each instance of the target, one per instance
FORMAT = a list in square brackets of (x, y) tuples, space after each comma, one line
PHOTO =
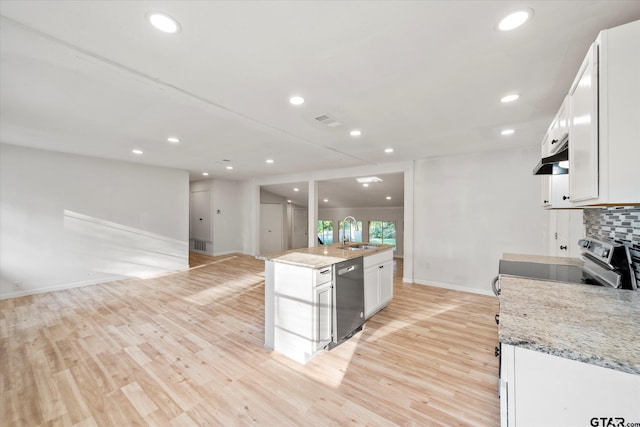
[(598, 249)]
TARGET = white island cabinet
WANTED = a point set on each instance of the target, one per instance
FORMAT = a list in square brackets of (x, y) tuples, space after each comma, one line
[(540, 389), (378, 281), (302, 310)]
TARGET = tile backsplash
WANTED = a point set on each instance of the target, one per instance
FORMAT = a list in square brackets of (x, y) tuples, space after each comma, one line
[(618, 223)]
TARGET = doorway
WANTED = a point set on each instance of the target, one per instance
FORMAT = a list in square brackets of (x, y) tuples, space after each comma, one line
[(271, 220)]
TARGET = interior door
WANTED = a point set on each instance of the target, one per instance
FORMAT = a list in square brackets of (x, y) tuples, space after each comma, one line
[(271, 229), (300, 227), (200, 221)]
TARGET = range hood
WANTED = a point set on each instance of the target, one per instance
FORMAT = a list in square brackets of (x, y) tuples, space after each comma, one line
[(549, 165)]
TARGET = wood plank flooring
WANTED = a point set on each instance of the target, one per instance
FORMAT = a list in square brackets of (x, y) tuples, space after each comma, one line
[(186, 349)]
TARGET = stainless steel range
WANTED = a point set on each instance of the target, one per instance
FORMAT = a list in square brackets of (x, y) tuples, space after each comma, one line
[(605, 263)]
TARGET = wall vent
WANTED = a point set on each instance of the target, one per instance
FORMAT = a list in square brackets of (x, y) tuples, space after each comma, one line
[(199, 245), (327, 120)]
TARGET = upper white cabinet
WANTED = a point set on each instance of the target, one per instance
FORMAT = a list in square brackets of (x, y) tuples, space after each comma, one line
[(604, 121), (583, 127)]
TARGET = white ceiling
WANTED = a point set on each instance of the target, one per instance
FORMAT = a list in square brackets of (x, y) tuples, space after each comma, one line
[(94, 78), (346, 192)]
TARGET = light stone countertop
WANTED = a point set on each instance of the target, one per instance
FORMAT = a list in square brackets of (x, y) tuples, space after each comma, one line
[(321, 256), (587, 323), (544, 259)]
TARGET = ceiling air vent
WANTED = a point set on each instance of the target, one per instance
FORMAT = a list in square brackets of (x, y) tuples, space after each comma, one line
[(327, 120)]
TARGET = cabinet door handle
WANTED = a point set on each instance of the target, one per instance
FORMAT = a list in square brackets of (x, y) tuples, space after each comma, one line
[(563, 247), (382, 266), (554, 141), (565, 197), (545, 201), (328, 270)]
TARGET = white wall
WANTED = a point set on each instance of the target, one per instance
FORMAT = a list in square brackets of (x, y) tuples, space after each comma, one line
[(227, 226), (469, 209), (69, 220), (365, 215)]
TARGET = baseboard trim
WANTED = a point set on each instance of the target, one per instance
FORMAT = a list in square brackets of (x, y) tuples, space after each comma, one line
[(60, 287), (488, 292), (63, 286)]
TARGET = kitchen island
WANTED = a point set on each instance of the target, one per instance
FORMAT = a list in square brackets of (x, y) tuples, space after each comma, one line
[(572, 349), (300, 295)]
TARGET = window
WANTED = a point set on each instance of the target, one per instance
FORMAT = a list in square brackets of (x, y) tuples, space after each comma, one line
[(325, 232), (383, 232), (356, 236)]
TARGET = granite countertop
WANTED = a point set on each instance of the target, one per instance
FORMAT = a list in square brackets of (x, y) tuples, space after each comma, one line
[(322, 256), (591, 324), (543, 259)]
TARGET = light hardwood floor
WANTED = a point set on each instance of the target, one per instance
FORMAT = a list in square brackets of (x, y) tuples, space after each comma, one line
[(187, 349)]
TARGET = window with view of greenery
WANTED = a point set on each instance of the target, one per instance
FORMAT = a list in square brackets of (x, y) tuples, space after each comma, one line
[(383, 232), (356, 236), (325, 232)]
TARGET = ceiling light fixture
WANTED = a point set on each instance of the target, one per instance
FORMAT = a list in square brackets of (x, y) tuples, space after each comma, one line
[(173, 140), (388, 197), (365, 185), (514, 20), (138, 152), (507, 132), (368, 179), (270, 161), (355, 132), (205, 173), (296, 189), (325, 200), (388, 150), (296, 100), (509, 98), (163, 22), (288, 201), (229, 167)]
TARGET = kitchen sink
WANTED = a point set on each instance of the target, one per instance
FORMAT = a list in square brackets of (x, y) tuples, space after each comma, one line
[(360, 247)]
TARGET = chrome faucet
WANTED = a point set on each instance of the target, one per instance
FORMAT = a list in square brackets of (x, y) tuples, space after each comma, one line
[(344, 229)]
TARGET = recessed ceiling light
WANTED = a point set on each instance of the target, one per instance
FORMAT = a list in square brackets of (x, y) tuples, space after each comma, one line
[(507, 132), (514, 20), (325, 200), (205, 173), (365, 185), (229, 167), (288, 201), (509, 98), (388, 197), (388, 150), (136, 152), (269, 161), (296, 100), (368, 179), (296, 189), (163, 22), (355, 132), (173, 140)]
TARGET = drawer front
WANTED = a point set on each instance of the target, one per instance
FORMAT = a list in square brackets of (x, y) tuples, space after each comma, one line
[(323, 275), (378, 258)]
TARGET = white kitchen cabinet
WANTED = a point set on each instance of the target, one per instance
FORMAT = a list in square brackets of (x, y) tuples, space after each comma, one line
[(545, 191), (302, 310), (604, 123), (558, 132), (541, 389), (378, 281)]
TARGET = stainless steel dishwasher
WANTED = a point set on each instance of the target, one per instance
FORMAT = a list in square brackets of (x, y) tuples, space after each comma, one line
[(348, 300)]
